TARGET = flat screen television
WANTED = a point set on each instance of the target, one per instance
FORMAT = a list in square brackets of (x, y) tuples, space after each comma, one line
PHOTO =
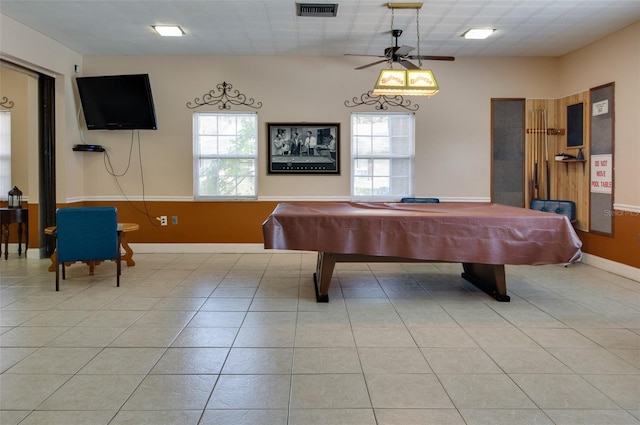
[(117, 102)]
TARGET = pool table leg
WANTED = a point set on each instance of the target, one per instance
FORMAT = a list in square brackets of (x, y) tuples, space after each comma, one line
[(323, 274), (488, 277)]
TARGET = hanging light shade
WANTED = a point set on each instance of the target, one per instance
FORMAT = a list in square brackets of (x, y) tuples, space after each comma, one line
[(422, 82), (412, 82), (390, 82)]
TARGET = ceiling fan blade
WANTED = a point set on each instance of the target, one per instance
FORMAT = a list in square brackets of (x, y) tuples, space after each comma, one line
[(404, 50), (408, 64), (371, 64), (365, 56), (433, 58)]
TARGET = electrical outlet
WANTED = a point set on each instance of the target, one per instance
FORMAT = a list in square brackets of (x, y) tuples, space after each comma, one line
[(163, 220), (174, 219)]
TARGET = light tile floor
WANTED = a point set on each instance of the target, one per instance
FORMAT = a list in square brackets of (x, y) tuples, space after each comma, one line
[(235, 339)]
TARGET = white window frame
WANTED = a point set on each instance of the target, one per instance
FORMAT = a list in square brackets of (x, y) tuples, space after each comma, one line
[(251, 157), (356, 157), (5, 152)]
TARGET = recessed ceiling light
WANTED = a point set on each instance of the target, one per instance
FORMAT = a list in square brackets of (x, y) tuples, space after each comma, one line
[(168, 30), (478, 33)]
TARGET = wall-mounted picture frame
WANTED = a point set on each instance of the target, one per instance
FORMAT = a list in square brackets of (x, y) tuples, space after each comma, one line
[(303, 148)]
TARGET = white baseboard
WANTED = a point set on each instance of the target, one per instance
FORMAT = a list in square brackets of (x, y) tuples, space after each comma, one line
[(203, 248), (72, 200), (620, 269), (195, 248)]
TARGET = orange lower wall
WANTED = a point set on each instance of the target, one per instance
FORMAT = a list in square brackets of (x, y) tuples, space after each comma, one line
[(198, 222), (240, 222), (623, 247)]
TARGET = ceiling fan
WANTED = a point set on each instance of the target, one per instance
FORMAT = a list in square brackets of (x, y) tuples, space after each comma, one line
[(400, 54)]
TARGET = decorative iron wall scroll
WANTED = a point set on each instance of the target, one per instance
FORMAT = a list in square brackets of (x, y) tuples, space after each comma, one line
[(381, 102), (224, 98), (6, 103)]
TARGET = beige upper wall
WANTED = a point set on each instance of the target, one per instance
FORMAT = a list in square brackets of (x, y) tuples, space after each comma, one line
[(452, 128), (14, 86), (615, 58), (29, 48)]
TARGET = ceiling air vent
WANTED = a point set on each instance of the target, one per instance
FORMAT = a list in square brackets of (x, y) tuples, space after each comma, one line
[(318, 10)]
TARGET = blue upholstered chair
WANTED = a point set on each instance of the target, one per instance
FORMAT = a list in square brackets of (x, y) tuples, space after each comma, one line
[(87, 234), (567, 208), (420, 200)]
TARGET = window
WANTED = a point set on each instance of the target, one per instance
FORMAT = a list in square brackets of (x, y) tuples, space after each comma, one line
[(225, 155), (5, 152), (382, 151)]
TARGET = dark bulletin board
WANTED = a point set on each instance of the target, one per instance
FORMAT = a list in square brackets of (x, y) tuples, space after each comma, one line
[(507, 156), (601, 153), (575, 123)]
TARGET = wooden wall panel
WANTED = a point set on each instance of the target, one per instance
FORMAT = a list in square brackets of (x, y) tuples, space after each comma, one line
[(540, 148), (573, 178), (568, 180)]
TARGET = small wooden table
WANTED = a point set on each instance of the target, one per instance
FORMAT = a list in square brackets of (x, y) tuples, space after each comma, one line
[(123, 228), (9, 216)]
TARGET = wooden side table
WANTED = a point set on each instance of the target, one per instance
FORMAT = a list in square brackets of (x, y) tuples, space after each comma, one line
[(9, 216), (123, 228)]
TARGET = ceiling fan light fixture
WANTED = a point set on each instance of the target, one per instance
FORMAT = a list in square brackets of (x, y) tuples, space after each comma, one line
[(413, 82), (478, 33), (168, 30)]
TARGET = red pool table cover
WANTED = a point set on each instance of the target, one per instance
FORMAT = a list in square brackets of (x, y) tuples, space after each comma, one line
[(482, 233)]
